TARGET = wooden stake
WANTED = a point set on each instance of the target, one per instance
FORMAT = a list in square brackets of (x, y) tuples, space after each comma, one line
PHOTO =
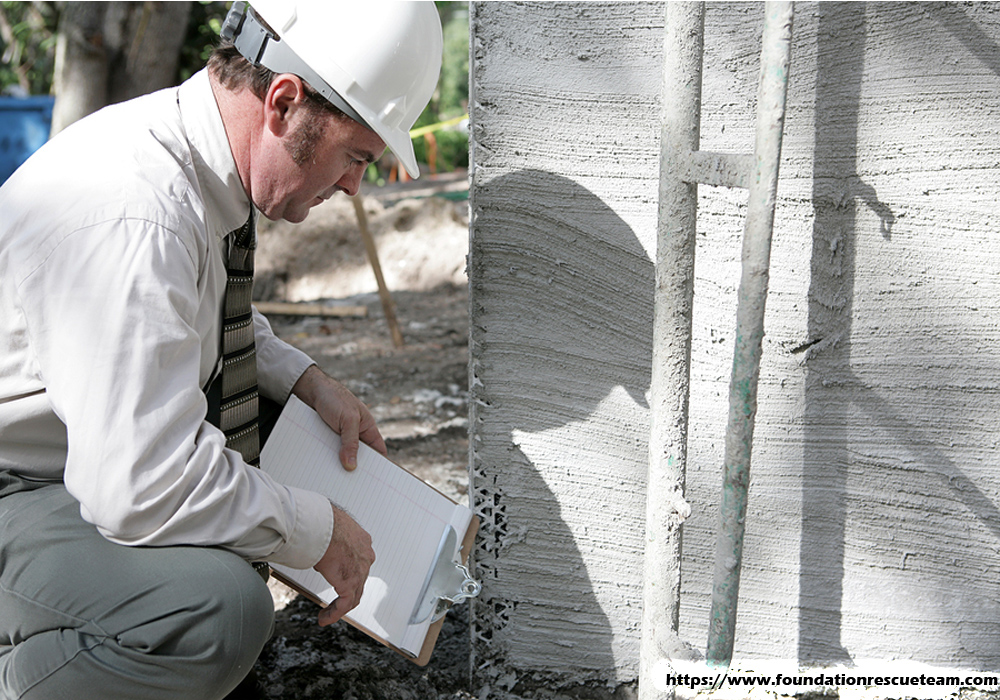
[(388, 306), (287, 309)]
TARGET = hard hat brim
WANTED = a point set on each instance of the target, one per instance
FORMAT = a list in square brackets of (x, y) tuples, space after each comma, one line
[(401, 145)]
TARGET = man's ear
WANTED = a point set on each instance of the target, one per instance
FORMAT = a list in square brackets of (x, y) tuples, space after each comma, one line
[(284, 98)]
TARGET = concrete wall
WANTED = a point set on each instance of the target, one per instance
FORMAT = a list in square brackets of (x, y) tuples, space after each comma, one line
[(874, 527)]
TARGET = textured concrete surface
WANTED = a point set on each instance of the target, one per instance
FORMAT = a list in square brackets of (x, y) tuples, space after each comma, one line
[(873, 530)]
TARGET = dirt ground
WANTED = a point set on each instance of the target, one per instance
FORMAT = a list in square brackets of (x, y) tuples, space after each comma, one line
[(416, 392)]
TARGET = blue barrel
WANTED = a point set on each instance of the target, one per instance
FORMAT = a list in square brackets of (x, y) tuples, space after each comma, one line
[(24, 127)]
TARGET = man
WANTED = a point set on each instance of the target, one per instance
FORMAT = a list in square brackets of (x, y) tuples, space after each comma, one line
[(128, 520)]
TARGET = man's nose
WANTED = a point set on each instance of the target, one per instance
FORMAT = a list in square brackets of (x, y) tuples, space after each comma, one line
[(351, 180)]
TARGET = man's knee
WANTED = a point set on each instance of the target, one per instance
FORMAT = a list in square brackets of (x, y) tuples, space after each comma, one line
[(219, 629), (233, 593), (78, 611), (198, 639), (200, 636)]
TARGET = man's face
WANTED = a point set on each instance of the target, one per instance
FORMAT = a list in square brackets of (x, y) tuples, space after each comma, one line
[(319, 156)]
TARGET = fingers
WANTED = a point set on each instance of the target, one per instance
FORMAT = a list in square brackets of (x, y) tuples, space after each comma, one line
[(342, 605), (373, 438), (342, 411), (330, 614), (358, 426), (349, 445), (345, 565), (336, 610)]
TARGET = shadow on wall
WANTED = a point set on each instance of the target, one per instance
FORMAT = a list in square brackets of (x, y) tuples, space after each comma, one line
[(840, 67), (561, 307), (953, 18), (912, 467)]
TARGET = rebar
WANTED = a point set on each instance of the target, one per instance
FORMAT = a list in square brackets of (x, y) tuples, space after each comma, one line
[(752, 297)]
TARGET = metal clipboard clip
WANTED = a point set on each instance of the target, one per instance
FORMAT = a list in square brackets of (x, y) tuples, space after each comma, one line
[(447, 583)]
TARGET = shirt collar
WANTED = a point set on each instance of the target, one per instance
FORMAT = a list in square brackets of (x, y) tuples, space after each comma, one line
[(226, 202)]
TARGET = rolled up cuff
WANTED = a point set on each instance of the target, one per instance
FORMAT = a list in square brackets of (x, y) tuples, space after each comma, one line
[(312, 533)]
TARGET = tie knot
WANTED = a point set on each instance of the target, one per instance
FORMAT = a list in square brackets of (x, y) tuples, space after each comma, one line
[(242, 243), (245, 235)]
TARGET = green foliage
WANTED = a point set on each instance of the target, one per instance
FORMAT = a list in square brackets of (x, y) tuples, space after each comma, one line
[(28, 37), (27, 46), (202, 35), (452, 149), (451, 99), (453, 87)]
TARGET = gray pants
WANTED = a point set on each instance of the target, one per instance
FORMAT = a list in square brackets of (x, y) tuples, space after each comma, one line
[(81, 617)]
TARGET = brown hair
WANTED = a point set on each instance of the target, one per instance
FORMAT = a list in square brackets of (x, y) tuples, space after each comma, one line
[(234, 72)]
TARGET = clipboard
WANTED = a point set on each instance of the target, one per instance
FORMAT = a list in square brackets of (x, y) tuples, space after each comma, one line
[(419, 572), (434, 596)]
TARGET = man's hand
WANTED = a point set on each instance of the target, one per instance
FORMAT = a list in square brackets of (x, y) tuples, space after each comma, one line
[(342, 411), (345, 565)]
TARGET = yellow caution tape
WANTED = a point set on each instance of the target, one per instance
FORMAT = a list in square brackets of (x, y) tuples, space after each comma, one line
[(430, 128)]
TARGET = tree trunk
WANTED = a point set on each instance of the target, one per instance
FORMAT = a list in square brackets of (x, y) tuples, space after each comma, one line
[(148, 45), (110, 52), (81, 74)]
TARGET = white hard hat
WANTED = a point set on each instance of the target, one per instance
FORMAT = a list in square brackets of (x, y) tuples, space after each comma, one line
[(376, 60)]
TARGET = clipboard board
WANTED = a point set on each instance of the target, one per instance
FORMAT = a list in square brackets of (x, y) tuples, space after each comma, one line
[(424, 657), (421, 538)]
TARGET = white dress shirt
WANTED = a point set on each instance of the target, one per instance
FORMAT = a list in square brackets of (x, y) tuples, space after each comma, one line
[(111, 286)]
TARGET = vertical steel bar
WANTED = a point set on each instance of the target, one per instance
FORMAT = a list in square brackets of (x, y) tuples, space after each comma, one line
[(775, 54), (674, 298)]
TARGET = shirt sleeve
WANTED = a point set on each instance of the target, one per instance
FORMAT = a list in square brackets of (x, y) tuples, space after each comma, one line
[(111, 311), (279, 365)]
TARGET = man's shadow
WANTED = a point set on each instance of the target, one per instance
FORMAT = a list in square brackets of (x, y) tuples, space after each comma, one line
[(561, 313)]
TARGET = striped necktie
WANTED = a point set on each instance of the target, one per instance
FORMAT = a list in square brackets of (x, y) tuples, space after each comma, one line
[(239, 400)]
